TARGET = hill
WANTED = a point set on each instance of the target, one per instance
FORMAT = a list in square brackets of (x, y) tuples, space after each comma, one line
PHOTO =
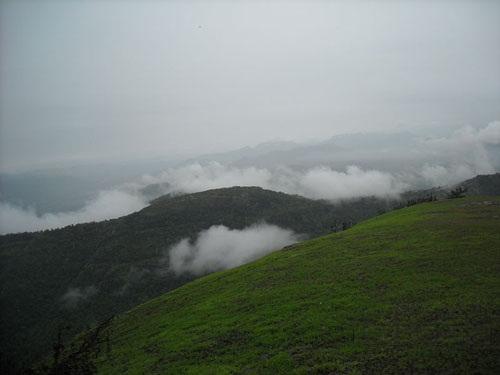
[(80, 275), (416, 290), (483, 185), (488, 184)]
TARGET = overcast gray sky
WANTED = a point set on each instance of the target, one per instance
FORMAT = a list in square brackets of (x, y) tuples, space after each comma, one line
[(128, 79)]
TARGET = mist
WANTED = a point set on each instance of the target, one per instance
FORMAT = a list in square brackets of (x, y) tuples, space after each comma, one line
[(108, 204), (407, 162), (115, 80), (118, 118), (84, 83), (220, 247), (336, 174), (316, 183), (74, 296)]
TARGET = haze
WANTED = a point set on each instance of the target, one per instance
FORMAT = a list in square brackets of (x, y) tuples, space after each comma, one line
[(121, 80)]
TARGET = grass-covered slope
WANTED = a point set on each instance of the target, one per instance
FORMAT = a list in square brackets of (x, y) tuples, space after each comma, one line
[(413, 291)]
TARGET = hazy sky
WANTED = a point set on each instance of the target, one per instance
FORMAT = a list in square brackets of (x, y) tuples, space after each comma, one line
[(128, 79)]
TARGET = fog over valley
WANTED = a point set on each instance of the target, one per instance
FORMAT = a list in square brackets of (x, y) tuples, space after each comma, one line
[(381, 164)]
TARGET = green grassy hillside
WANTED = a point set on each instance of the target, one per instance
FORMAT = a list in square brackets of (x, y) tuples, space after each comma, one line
[(413, 291)]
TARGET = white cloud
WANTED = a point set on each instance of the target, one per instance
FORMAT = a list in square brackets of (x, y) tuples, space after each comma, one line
[(437, 175), (107, 205), (74, 296), (220, 248), (196, 177), (434, 162), (323, 182), (465, 147), (460, 156), (319, 182), (490, 134)]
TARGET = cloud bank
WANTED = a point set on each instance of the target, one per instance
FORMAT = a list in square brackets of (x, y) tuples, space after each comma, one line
[(325, 183), (196, 177), (317, 183), (490, 134), (430, 162), (108, 204), (220, 248), (460, 156)]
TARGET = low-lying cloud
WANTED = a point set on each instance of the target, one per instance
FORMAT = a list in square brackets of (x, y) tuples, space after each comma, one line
[(432, 161), (437, 175), (219, 248), (74, 296), (316, 183), (490, 134), (196, 177), (460, 156), (108, 204), (325, 183)]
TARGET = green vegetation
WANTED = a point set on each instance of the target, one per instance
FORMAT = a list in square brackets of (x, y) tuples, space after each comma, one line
[(413, 291), (115, 264)]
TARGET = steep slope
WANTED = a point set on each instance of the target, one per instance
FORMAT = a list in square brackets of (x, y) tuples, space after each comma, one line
[(82, 274), (416, 290)]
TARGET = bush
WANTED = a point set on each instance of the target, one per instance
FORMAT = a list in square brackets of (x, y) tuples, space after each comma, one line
[(458, 192)]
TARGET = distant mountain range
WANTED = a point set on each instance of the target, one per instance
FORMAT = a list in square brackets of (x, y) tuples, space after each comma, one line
[(402, 154), (396, 152)]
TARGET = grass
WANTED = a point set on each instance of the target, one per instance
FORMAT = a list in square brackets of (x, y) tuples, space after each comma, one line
[(412, 291)]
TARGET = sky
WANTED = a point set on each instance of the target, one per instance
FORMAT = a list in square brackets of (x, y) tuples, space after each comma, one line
[(118, 80)]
